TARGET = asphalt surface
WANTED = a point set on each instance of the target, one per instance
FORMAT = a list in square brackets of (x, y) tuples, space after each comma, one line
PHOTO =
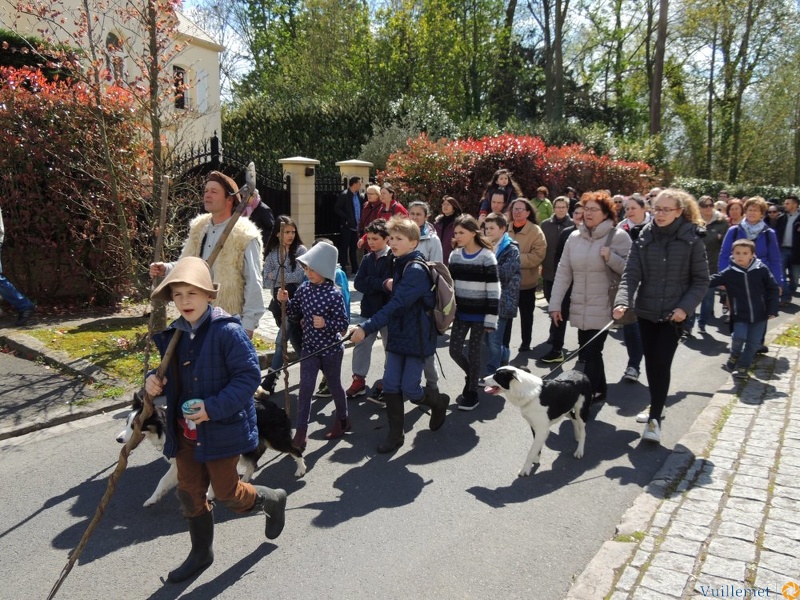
[(445, 516)]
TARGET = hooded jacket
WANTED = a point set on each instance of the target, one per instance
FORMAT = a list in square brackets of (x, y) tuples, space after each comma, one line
[(752, 291), (666, 269), (218, 364)]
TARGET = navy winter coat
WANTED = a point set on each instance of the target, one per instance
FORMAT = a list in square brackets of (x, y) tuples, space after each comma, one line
[(372, 272), (218, 365), (407, 314), (752, 291)]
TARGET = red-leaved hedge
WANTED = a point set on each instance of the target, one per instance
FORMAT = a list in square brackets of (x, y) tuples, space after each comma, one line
[(62, 234), (430, 169)]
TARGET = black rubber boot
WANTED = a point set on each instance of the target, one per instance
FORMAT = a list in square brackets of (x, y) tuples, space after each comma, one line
[(273, 503), (438, 404), (395, 412), (268, 383), (201, 530)]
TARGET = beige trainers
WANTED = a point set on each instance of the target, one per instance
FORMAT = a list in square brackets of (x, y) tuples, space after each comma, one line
[(652, 431), (643, 416)]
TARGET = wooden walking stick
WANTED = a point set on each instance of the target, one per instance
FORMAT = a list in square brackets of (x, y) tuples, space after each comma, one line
[(287, 406), (147, 408)]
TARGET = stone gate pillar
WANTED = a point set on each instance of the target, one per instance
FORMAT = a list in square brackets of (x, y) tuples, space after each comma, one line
[(302, 204), (355, 168)]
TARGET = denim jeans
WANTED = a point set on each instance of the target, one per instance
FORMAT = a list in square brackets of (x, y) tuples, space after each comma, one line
[(496, 351), (402, 374), (13, 296), (633, 344), (707, 307), (747, 339)]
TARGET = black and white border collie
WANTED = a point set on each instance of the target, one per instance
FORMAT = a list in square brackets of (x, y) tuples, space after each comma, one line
[(274, 431), (544, 403)]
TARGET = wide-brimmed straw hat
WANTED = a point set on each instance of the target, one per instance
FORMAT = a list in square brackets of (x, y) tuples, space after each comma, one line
[(189, 270), (322, 258)]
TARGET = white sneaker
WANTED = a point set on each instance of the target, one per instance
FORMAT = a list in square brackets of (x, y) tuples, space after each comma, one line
[(632, 374), (652, 431), (644, 416)]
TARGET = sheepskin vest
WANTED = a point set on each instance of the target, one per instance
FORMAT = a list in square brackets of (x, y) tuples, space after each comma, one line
[(228, 269)]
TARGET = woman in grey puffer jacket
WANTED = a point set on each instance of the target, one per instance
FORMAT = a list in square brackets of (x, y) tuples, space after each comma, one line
[(667, 274)]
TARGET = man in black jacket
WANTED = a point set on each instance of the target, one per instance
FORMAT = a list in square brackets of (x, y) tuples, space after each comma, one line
[(787, 230), (348, 209)]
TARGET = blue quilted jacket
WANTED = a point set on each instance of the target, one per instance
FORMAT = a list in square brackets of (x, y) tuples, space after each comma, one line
[(219, 365)]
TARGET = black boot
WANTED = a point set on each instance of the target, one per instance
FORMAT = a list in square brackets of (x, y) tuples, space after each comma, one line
[(438, 404), (273, 503), (395, 412), (201, 530)]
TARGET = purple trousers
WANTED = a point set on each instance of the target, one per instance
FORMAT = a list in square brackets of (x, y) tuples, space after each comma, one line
[(331, 367)]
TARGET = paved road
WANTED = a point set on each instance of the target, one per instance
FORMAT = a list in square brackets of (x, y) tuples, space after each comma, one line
[(444, 517)]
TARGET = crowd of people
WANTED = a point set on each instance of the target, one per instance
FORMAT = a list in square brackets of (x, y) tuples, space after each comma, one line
[(651, 262)]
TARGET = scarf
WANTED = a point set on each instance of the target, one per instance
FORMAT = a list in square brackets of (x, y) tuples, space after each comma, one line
[(753, 230)]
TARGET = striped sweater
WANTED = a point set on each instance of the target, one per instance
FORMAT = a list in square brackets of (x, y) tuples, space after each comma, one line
[(477, 286)]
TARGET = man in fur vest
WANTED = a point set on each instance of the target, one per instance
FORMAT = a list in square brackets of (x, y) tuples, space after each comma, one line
[(238, 267)]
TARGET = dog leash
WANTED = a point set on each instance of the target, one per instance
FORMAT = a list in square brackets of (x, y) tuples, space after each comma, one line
[(271, 371), (576, 352)]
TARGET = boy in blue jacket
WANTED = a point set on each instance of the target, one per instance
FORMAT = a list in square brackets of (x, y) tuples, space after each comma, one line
[(753, 294), (214, 362), (373, 272), (412, 333)]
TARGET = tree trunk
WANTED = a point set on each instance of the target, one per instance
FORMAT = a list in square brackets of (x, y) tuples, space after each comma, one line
[(658, 69)]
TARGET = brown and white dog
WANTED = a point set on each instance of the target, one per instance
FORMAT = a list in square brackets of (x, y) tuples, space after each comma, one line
[(543, 403), (274, 431)]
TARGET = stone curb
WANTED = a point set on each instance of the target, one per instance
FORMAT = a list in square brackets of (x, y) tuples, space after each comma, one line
[(32, 349), (597, 579)]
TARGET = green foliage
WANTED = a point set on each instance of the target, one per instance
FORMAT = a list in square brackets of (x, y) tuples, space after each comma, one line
[(463, 168), (19, 52), (326, 131), (62, 237), (699, 187)]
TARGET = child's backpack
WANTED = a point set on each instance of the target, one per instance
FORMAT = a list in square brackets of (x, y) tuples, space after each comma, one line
[(444, 310)]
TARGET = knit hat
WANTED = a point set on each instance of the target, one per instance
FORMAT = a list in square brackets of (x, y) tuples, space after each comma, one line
[(189, 270), (321, 258), (226, 182)]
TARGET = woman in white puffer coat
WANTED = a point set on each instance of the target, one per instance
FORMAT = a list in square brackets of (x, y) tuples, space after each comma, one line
[(585, 265)]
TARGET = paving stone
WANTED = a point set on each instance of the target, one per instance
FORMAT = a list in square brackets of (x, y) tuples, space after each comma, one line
[(706, 585), (737, 530), (723, 463), (696, 517), (788, 470), (774, 582), (745, 504), (704, 495), (722, 453), (665, 581), (787, 530), (782, 544), (784, 514), (639, 558), (780, 502), (628, 578), (752, 470), (648, 544), (761, 482), (787, 480), (718, 480), (732, 548), (791, 460), (768, 451), (619, 596), (697, 533), (717, 566), (682, 563), (745, 491), (650, 594), (762, 461), (751, 519), (782, 491), (661, 519), (681, 545), (778, 563)]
